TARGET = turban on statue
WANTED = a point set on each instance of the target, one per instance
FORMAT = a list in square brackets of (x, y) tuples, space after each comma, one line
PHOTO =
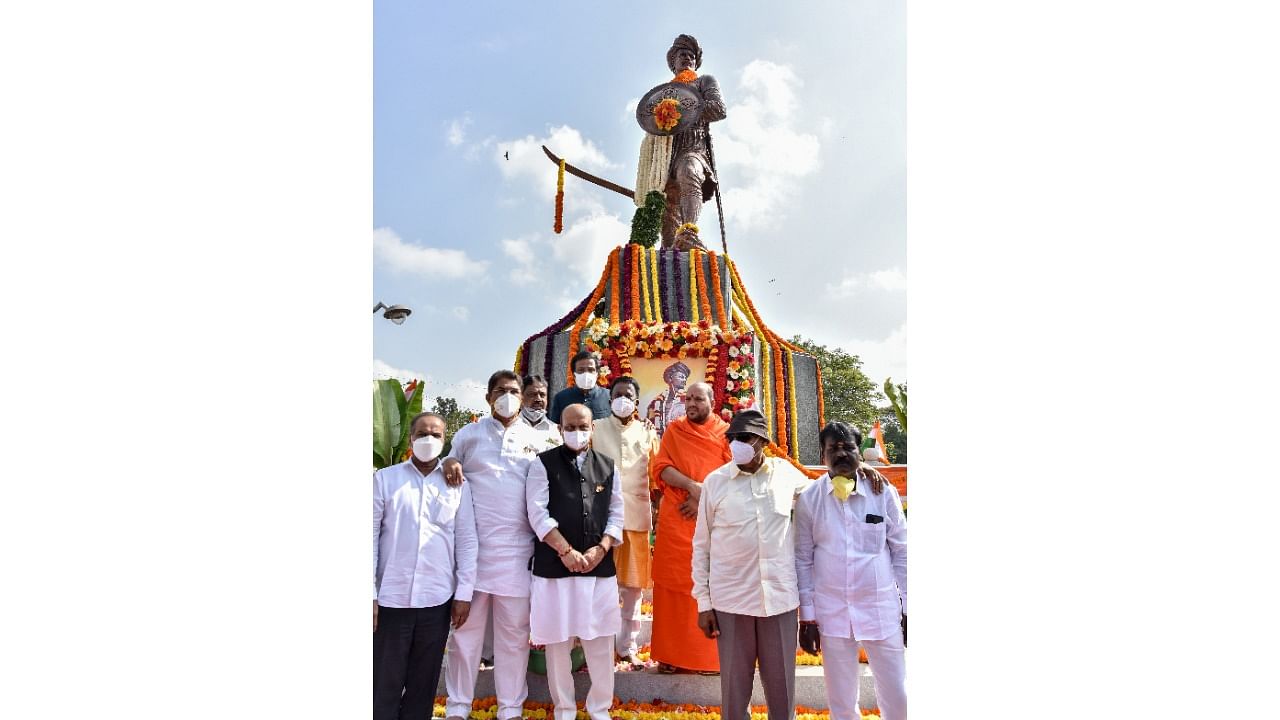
[(674, 368), (687, 42)]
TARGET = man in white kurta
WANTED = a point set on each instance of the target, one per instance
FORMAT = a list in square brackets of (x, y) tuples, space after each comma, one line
[(631, 443), (851, 565), (574, 500), (493, 455), (744, 570)]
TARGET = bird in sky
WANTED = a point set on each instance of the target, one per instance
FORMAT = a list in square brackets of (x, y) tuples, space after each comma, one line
[(507, 154), (772, 279)]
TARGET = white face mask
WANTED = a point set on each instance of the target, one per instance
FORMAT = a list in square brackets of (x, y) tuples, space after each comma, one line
[(743, 453), (427, 448), (585, 380), (577, 439), (622, 406), (533, 416), (507, 405)]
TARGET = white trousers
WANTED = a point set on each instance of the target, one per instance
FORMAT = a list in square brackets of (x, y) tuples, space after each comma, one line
[(887, 659), (626, 640), (510, 661), (599, 652)]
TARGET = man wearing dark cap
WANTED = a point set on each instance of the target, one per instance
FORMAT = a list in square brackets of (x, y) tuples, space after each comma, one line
[(744, 572), (691, 179)]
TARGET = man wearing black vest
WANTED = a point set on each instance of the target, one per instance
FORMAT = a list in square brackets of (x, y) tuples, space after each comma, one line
[(574, 499)]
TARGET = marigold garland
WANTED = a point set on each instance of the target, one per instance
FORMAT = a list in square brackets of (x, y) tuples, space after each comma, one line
[(793, 425), (657, 297), (590, 306), (634, 262), (704, 302), (715, 286), (615, 278), (666, 114), (560, 199), (693, 288), (779, 369), (519, 355), (685, 76), (822, 406)]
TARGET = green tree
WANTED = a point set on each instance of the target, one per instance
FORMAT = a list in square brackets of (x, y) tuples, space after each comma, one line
[(848, 393), (895, 438), (454, 418)]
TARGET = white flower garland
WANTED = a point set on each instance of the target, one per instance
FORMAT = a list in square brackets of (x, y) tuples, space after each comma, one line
[(651, 170)]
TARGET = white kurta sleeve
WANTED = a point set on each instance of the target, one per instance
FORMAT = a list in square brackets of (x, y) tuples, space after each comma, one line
[(466, 547), (537, 494), (617, 510), (804, 555), (377, 530), (896, 537), (702, 546)]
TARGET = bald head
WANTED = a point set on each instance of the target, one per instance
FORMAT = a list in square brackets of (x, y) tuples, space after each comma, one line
[(575, 417), (697, 402)]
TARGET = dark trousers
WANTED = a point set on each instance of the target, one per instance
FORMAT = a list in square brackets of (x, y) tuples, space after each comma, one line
[(408, 648), (745, 640)]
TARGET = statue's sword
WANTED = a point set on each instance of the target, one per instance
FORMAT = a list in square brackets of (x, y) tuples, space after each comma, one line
[(589, 177)]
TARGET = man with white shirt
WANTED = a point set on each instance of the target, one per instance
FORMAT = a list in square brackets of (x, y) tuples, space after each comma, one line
[(493, 455), (851, 564), (744, 571), (574, 500), (631, 443), (424, 559)]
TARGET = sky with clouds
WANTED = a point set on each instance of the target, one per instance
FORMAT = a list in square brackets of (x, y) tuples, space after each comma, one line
[(812, 164)]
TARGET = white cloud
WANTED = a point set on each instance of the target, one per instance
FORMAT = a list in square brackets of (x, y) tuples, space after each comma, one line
[(403, 257), (581, 249), (523, 252), (629, 112), (882, 358), (585, 246), (382, 370), (457, 133), (890, 280), (760, 153), (461, 312), (529, 165)]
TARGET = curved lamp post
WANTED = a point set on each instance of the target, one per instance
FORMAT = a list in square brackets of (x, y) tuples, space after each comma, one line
[(394, 313)]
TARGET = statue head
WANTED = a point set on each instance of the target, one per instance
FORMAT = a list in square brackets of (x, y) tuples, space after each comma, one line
[(684, 53)]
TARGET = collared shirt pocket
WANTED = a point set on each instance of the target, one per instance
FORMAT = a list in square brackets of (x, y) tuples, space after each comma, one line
[(871, 537), (444, 509)]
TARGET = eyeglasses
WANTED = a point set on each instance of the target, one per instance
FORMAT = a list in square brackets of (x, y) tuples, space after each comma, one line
[(743, 437)]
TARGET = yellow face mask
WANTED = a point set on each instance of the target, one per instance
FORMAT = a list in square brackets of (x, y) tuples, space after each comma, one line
[(844, 486)]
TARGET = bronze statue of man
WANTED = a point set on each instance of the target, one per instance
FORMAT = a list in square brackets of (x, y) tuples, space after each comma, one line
[(691, 179)]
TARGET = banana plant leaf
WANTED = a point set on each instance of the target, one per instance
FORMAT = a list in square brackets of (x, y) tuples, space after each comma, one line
[(897, 395), (412, 407), (389, 408)]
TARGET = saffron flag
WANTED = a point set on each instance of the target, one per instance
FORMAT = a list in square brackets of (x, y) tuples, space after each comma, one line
[(879, 436)]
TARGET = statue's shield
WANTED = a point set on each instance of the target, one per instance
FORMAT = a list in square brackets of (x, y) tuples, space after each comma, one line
[(688, 102)]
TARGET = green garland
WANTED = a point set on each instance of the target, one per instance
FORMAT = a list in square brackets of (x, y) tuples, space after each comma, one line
[(646, 225)]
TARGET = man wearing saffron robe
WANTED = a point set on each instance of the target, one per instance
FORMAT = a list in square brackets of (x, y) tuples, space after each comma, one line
[(691, 448)]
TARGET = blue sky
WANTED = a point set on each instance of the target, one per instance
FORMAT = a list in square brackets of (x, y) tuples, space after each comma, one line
[(812, 160)]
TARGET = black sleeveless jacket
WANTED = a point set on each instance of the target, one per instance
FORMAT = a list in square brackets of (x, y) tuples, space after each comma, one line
[(579, 502)]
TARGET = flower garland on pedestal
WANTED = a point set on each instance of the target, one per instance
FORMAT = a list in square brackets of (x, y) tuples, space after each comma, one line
[(728, 354)]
